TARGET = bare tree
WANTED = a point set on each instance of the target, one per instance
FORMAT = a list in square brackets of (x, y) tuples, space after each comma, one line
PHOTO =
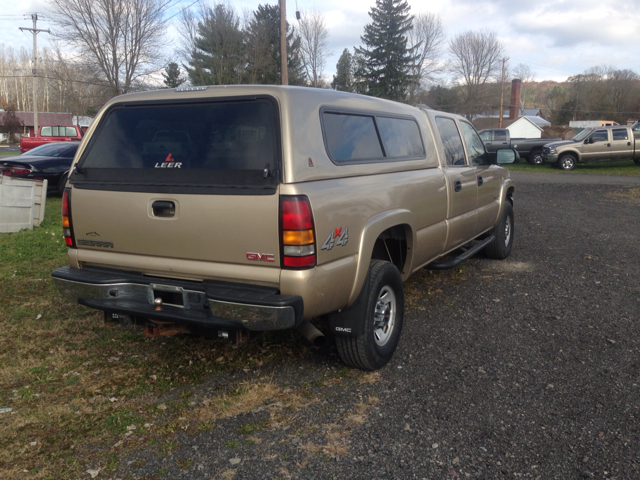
[(476, 60), (527, 76), (425, 39), (313, 46), (120, 39)]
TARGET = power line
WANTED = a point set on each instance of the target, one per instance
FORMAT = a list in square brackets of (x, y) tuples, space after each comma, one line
[(176, 14), (60, 79)]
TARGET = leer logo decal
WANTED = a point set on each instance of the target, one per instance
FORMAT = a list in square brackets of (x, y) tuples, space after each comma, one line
[(169, 162), (339, 236)]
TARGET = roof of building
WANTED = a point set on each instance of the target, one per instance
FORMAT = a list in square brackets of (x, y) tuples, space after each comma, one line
[(44, 118), (539, 121), (523, 112), (492, 122)]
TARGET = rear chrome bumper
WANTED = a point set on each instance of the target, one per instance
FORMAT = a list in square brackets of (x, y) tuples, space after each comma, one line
[(209, 303)]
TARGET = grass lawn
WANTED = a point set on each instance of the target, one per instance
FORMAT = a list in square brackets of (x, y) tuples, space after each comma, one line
[(83, 394), (76, 387), (625, 167), (80, 391)]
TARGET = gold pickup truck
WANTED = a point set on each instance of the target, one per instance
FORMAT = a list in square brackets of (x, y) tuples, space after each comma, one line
[(600, 144), (239, 210)]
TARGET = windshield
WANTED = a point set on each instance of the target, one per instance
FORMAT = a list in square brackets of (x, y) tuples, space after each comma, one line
[(58, 149), (582, 135)]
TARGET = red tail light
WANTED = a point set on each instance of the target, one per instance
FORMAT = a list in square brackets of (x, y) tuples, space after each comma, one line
[(67, 228), (297, 235), (8, 171)]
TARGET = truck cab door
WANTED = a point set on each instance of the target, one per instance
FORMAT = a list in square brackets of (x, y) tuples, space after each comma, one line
[(462, 184), (487, 178), (597, 146), (621, 144), (487, 139)]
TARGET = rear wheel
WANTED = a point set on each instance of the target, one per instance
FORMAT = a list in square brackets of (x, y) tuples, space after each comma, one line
[(637, 161), (567, 162), (501, 247), (381, 305), (536, 158)]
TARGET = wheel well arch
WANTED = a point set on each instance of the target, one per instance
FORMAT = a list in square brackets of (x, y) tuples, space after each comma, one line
[(572, 153), (392, 230), (393, 245), (509, 196)]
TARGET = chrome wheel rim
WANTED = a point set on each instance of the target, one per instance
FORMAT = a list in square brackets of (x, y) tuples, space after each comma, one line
[(567, 164), (507, 231), (384, 318)]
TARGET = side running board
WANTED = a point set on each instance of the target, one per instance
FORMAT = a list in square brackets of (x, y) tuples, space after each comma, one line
[(454, 262)]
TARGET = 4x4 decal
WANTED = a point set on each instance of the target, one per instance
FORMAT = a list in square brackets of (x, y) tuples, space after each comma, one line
[(339, 236)]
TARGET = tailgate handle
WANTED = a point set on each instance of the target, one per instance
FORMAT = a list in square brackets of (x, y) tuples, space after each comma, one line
[(163, 208)]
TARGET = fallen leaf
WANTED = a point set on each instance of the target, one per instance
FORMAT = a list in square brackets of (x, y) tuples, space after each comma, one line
[(94, 473)]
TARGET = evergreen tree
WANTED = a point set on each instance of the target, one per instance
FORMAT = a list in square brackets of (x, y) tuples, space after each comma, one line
[(343, 79), (386, 58), (11, 124), (218, 57), (262, 47), (171, 76)]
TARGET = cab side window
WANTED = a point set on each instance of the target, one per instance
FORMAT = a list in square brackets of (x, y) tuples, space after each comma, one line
[(451, 141), (485, 136), (500, 135), (475, 147), (620, 134), (599, 136)]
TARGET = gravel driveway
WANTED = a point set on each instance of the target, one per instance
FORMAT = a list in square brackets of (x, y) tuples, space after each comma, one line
[(526, 368)]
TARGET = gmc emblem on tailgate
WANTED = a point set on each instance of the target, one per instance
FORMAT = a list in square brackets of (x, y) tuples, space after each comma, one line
[(94, 243), (261, 257)]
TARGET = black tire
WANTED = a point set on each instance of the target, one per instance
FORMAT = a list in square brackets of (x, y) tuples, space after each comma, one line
[(567, 162), (62, 183), (381, 310), (536, 158), (636, 161), (504, 231)]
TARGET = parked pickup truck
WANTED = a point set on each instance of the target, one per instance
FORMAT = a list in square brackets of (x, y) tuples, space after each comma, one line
[(281, 205), (51, 133), (594, 145), (528, 148)]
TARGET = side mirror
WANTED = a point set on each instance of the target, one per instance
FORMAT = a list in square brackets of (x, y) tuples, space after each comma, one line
[(588, 140), (506, 155)]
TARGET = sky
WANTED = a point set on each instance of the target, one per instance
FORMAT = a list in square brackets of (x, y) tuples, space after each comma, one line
[(554, 38)]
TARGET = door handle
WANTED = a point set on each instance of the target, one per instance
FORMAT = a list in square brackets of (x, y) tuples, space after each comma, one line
[(163, 208), (628, 144), (457, 185), (608, 144), (480, 181)]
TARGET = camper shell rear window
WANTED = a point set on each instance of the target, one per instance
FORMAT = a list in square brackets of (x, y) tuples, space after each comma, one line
[(230, 146)]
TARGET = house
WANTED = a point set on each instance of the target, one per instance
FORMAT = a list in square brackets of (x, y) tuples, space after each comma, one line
[(523, 127), (566, 133), (44, 118), (527, 127), (592, 123)]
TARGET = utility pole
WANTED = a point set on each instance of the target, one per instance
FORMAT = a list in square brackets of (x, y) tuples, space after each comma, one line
[(35, 31), (501, 94), (284, 74)]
